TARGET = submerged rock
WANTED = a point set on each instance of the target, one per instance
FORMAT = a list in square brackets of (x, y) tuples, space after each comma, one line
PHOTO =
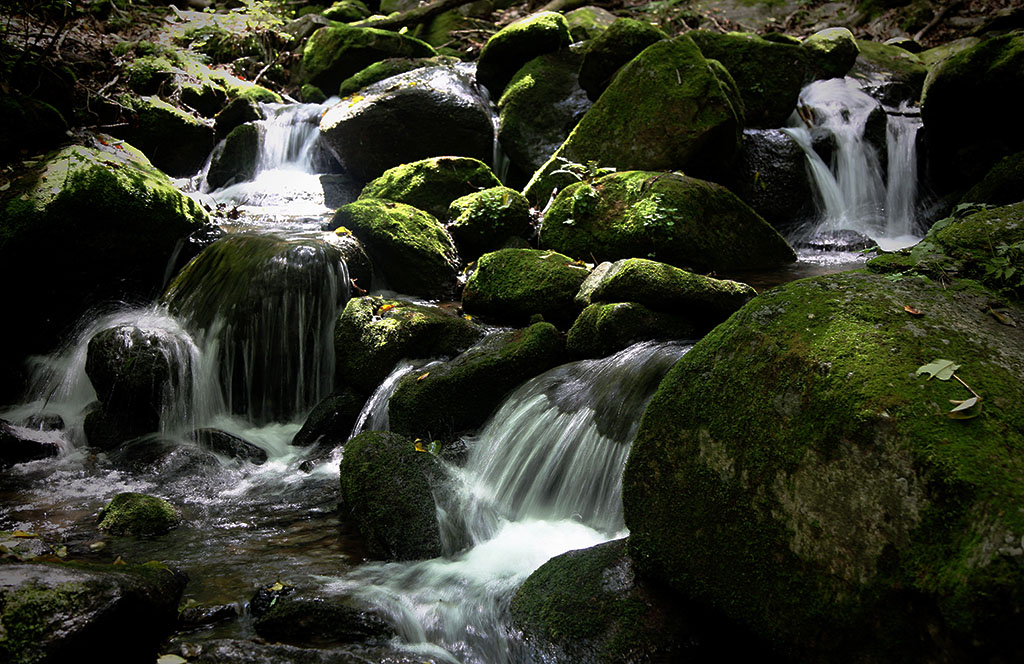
[(138, 514), (516, 44), (386, 490), (512, 285), (834, 507), (488, 220), (229, 445), (608, 52), (336, 52), (308, 617), (671, 218), (431, 184)]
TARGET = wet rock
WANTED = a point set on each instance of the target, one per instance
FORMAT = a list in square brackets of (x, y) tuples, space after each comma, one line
[(387, 68), (877, 528), (374, 333), (427, 112), (23, 547), (238, 111), (237, 651), (315, 618), (206, 98), (840, 240), (177, 143), (671, 218), (771, 177), (832, 52), (511, 285), (138, 514), (229, 445), (329, 424), (588, 22), (411, 249), (603, 329), (386, 490), (539, 108), (431, 184), (608, 52), (900, 74), (336, 52), (1002, 185), (56, 612), (18, 447), (194, 617), (488, 220), (169, 459), (237, 160), (516, 44), (459, 395)]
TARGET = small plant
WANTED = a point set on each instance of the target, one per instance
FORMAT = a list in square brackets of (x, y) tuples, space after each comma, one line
[(582, 172), (1003, 267)]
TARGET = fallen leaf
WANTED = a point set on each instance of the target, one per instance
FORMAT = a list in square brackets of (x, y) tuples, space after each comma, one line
[(965, 409), (419, 446), (941, 369), (386, 307), (1002, 318), (422, 376), (119, 561), (912, 311), (171, 659), (22, 533)]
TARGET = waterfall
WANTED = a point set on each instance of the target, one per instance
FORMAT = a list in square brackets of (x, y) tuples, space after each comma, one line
[(544, 476), (853, 191), (374, 415)]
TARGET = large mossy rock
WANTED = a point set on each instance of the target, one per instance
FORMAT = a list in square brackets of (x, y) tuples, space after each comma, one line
[(412, 250), (386, 489), (138, 514), (177, 143), (667, 109), (374, 333), (832, 52), (588, 22), (539, 108), (608, 52), (336, 52), (459, 395), (237, 159), (897, 75), (796, 473), (108, 224), (671, 218), (387, 68), (1002, 185), (512, 285), (605, 328), (427, 112), (516, 44), (964, 144), (55, 612), (432, 184), (769, 74), (488, 220)]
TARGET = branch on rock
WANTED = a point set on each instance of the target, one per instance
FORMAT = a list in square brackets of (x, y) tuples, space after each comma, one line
[(938, 19), (413, 16)]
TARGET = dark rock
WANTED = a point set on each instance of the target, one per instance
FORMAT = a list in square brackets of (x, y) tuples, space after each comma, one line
[(379, 71), (237, 159), (194, 617), (771, 177), (228, 445), (1002, 185), (18, 447), (839, 240), (176, 142), (152, 455), (314, 618), (603, 329), (329, 424), (236, 651), (896, 76), (239, 111), (29, 124)]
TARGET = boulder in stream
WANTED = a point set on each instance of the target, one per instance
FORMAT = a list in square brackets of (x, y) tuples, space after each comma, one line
[(770, 175), (387, 68), (608, 52), (831, 52), (431, 184), (670, 218), (228, 445), (310, 617), (19, 446), (516, 44), (138, 514), (488, 220), (176, 142), (605, 328), (237, 159), (335, 52), (330, 422)]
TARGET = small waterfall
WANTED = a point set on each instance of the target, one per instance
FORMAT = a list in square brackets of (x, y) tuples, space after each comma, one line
[(289, 134), (264, 309), (374, 415), (854, 192), (544, 476)]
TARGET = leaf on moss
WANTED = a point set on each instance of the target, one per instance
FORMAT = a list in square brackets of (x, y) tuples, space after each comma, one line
[(912, 311), (941, 369), (1002, 317), (966, 409)]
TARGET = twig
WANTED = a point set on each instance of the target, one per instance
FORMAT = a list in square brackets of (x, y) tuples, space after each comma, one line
[(106, 87), (938, 19), (961, 381), (264, 70)]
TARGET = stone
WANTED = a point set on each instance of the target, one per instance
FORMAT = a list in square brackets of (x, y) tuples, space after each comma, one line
[(21, 446), (488, 220), (431, 184), (516, 44), (832, 52), (138, 514), (237, 159), (588, 22), (309, 617), (602, 329), (228, 445), (174, 141), (338, 51), (771, 177), (1002, 185), (609, 51)]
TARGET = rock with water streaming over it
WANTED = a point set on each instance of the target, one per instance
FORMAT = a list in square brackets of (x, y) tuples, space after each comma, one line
[(228, 445), (671, 218), (428, 112), (19, 447), (512, 285), (895, 75), (330, 422), (386, 488), (602, 329), (238, 111), (138, 514), (771, 176), (378, 71), (175, 141), (838, 506), (55, 612), (516, 44), (608, 52), (237, 159), (431, 184), (310, 617), (239, 651), (336, 52)]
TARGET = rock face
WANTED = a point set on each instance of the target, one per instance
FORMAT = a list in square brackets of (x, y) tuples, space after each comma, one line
[(621, 42), (674, 219), (176, 142), (56, 612), (899, 73), (516, 44), (488, 220), (771, 177), (413, 251), (514, 284), (983, 76), (833, 506), (459, 395), (432, 184), (238, 159), (336, 52), (386, 489), (138, 514), (1002, 185), (602, 329), (667, 109), (427, 112)]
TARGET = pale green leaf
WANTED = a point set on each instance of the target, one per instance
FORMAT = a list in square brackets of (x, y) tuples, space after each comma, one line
[(965, 409), (941, 369)]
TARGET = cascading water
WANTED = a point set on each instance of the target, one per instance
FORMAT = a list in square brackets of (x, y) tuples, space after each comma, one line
[(544, 476), (854, 192)]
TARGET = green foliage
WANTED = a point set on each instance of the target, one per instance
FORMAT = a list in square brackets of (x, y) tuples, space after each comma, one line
[(1004, 267)]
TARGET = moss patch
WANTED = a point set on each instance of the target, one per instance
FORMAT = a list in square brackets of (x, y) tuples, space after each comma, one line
[(516, 44), (138, 514), (602, 329), (431, 184), (334, 53), (486, 220)]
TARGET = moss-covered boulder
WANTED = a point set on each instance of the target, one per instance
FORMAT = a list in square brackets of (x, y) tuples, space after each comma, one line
[(671, 218), (108, 223), (539, 108), (374, 333), (832, 52), (834, 505), (206, 98), (985, 76), (138, 514), (459, 395), (702, 300), (176, 142), (346, 11), (895, 74), (431, 184), (666, 110), (410, 248), (512, 285), (769, 75), (312, 617), (608, 52), (588, 22), (378, 71), (55, 612), (605, 328), (516, 44), (237, 159), (1002, 185), (427, 112), (386, 490), (487, 220), (236, 112), (336, 52)]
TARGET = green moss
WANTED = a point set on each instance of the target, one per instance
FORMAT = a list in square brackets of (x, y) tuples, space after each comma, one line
[(138, 514), (897, 63), (256, 93), (460, 395), (833, 484), (413, 250), (145, 74), (672, 218), (431, 184), (486, 220), (337, 52), (831, 52), (513, 284), (374, 333), (378, 71), (25, 618), (603, 329), (237, 161), (612, 49), (1003, 184), (516, 44), (346, 11), (588, 22)]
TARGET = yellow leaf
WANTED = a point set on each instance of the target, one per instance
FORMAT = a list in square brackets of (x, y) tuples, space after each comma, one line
[(119, 561), (419, 446), (278, 586), (341, 230), (22, 533), (422, 376), (386, 307)]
